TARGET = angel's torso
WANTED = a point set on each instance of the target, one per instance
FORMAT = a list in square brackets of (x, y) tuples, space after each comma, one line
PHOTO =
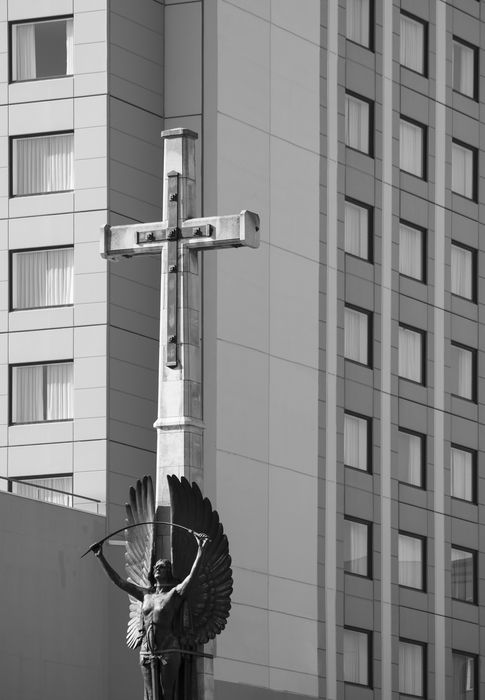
[(159, 610)]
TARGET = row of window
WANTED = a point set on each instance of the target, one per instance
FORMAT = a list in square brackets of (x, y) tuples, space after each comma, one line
[(411, 457), (358, 226), (411, 560), (358, 656), (55, 489), (413, 53)]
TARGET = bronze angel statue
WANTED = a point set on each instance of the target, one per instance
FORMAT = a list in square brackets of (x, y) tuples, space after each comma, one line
[(176, 607)]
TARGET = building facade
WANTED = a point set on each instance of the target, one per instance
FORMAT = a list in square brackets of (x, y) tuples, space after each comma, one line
[(343, 397)]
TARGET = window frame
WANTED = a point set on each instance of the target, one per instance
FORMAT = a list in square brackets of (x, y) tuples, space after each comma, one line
[(476, 67), (474, 152), (474, 376), (476, 675), (360, 521), (26, 480), (370, 123), (15, 251), (424, 24), (423, 354), (424, 146), (370, 47), (424, 558), (474, 554), (423, 440), (17, 137), (424, 658), (34, 20), (474, 457), (369, 634), (424, 250), (474, 272), (368, 420), (45, 363), (370, 335), (370, 229)]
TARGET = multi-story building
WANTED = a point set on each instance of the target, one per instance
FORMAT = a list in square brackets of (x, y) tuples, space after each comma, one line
[(343, 391)]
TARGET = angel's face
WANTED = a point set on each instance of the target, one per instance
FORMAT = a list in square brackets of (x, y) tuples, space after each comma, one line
[(162, 571)]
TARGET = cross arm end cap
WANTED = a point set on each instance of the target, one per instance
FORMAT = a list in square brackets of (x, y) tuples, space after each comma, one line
[(250, 224), (179, 133)]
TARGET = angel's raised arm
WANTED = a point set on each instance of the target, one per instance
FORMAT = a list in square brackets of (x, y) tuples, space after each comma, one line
[(131, 588), (201, 542)]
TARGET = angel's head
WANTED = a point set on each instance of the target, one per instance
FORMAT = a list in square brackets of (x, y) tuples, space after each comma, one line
[(162, 572)]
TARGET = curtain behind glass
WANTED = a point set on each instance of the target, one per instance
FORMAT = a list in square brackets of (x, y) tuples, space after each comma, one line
[(69, 47), (461, 272), (410, 562), (42, 278), (27, 398), (462, 575), (463, 69), (410, 252), (357, 124), (356, 662), (43, 164), (462, 170), (410, 669), (463, 677), (412, 43), (355, 442), (31, 489), (410, 458), (411, 148), (356, 230), (356, 336), (462, 371), (358, 21), (59, 391), (355, 548), (410, 355), (23, 54), (461, 474)]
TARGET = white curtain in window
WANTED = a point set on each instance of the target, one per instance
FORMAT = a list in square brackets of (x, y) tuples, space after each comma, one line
[(42, 278), (462, 575), (410, 355), (461, 474), (59, 391), (356, 124), (355, 442), (410, 459), (356, 335), (410, 562), (356, 660), (462, 170), (410, 252), (463, 69), (356, 230), (411, 148), (412, 44), (33, 489), (27, 398), (69, 47), (463, 677), (43, 164), (463, 370), (23, 54), (410, 668), (355, 554), (358, 21), (461, 272)]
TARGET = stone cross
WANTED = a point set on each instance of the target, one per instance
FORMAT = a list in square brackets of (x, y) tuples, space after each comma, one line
[(179, 238)]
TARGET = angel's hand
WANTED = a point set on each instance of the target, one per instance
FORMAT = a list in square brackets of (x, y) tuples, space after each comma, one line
[(202, 539), (97, 549)]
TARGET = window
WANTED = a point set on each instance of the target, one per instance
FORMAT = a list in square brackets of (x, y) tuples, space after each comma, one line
[(463, 170), (463, 575), (463, 473), (42, 49), (411, 561), (412, 148), (411, 354), (463, 371), (358, 335), (42, 164), (464, 676), (357, 442), (412, 251), (357, 657), (412, 47), (358, 21), (465, 65), (357, 546), (411, 458), (358, 119), (358, 227), (411, 668), (42, 278), (50, 489), (42, 392), (463, 271)]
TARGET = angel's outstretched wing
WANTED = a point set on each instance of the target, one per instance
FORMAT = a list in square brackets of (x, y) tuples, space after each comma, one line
[(209, 595), (139, 551)]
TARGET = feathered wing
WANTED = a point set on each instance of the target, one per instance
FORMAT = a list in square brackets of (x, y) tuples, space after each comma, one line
[(139, 551), (209, 595)]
